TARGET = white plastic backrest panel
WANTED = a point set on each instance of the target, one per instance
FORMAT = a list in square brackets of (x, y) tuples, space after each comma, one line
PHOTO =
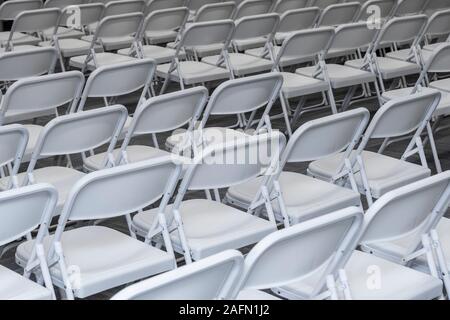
[(195, 5), (291, 254), (255, 26), (206, 279), (307, 43), (235, 162), (403, 29), (207, 33), (399, 212), (438, 4), (299, 19), (23, 209), (167, 19), (119, 79), (383, 7), (282, 6), (122, 7), (353, 36), (339, 14), (322, 4), (164, 4), (402, 116), (81, 131), (42, 93), (408, 7), (16, 65), (89, 13), (252, 7), (439, 23), (169, 111), (36, 20), (440, 60), (216, 11), (120, 190), (334, 132), (245, 94), (119, 26), (61, 4), (12, 137), (10, 9)]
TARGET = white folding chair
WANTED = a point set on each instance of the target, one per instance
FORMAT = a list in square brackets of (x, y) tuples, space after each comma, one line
[(384, 9), (103, 258), (22, 211), (160, 114), (375, 173), (13, 139), (318, 246), (339, 14), (9, 10), (33, 97), (197, 35), (113, 33), (281, 6), (297, 197), (439, 63), (219, 166), (211, 278), (260, 27), (252, 7), (215, 11), (410, 7), (195, 6), (64, 31)]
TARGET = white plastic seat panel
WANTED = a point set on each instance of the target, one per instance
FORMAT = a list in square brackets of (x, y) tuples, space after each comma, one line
[(160, 36), (227, 227), (201, 51), (245, 44), (106, 258), (64, 33), (384, 173), (193, 72), (243, 64), (405, 54), (159, 54), (443, 85), (102, 59), (72, 47), (305, 197), (284, 62), (389, 68), (341, 76), (112, 43), (296, 85), (432, 47), (19, 38), (16, 287), (255, 295)]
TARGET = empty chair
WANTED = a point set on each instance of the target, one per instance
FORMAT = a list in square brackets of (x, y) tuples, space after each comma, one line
[(261, 27), (113, 33), (338, 14), (375, 173), (296, 20), (438, 28), (195, 5), (154, 5), (297, 197), (215, 11), (64, 31), (211, 278), (383, 8), (410, 7), (252, 7), (219, 166), (160, 114), (32, 97), (119, 258), (188, 72), (439, 63), (13, 139), (281, 6), (324, 244), (23, 210)]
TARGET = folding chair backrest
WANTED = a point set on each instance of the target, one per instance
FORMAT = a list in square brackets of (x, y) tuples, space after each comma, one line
[(61, 4), (399, 213), (306, 44), (80, 132), (36, 20), (23, 210), (252, 7), (275, 260), (10, 9), (262, 25), (403, 116), (299, 19), (41, 93), (124, 6), (13, 139), (438, 24), (119, 25), (119, 191), (438, 5), (169, 111), (281, 6), (17, 65), (402, 29), (439, 62), (346, 129), (166, 19), (207, 279), (322, 4), (195, 5), (234, 162), (207, 33), (164, 4), (410, 7), (118, 79), (215, 11), (382, 7), (337, 14), (353, 36), (89, 13)]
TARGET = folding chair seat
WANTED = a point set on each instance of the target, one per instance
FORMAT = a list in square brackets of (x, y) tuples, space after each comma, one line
[(164, 113), (32, 97), (64, 31), (191, 72), (233, 97), (324, 243), (228, 228), (338, 14), (251, 27), (113, 33), (24, 210), (375, 173), (252, 7), (13, 139), (281, 6), (302, 196), (107, 258), (211, 278)]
